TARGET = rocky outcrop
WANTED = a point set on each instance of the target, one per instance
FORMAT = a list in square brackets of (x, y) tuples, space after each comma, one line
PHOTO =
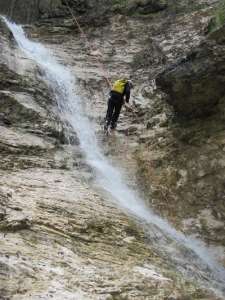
[(196, 84), (181, 156)]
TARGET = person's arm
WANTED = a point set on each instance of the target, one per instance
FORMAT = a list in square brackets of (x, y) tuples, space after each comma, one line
[(127, 93)]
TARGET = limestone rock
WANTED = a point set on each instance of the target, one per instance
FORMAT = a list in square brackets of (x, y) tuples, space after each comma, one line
[(50, 8), (197, 84), (23, 11), (14, 225)]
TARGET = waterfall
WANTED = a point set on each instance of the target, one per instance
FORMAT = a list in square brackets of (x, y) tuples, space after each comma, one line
[(71, 109)]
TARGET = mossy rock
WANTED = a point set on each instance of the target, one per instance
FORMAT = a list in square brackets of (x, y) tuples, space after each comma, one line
[(218, 20)]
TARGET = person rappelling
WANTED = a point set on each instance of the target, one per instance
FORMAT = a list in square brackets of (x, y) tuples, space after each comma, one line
[(119, 95), (120, 92)]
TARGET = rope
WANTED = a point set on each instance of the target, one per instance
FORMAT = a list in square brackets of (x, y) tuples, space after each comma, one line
[(101, 66)]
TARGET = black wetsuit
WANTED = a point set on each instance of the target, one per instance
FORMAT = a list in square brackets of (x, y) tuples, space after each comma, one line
[(115, 103)]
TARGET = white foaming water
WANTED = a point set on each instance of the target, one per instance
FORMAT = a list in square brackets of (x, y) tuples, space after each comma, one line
[(60, 79)]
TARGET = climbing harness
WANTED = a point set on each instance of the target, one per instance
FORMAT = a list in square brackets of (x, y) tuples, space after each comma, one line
[(101, 66)]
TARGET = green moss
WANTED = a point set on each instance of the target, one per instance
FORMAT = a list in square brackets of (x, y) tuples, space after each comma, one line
[(219, 18), (220, 15), (119, 4)]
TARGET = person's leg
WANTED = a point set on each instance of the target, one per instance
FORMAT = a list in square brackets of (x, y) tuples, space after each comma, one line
[(109, 113), (116, 113)]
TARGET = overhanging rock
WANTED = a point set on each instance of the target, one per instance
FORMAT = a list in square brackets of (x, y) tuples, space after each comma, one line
[(196, 85)]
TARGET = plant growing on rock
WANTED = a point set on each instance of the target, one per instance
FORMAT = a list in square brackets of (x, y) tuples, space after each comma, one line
[(219, 18)]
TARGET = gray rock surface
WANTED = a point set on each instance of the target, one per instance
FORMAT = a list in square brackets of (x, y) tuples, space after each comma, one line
[(197, 84), (26, 11)]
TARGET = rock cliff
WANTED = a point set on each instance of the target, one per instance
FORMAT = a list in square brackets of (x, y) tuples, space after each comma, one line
[(55, 243)]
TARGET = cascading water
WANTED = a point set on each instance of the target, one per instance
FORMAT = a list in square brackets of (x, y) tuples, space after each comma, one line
[(108, 177)]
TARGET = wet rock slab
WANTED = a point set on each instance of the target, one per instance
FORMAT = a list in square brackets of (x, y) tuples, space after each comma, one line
[(69, 249)]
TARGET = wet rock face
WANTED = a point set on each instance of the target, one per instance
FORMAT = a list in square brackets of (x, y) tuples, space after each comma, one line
[(197, 84), (26, 11), (23, 11)]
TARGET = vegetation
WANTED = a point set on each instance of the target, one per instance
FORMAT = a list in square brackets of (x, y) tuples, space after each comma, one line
[(219, 19), (119, 4), (220, 15)]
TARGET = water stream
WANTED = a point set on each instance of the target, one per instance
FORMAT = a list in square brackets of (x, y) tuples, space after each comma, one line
[(188, 251)]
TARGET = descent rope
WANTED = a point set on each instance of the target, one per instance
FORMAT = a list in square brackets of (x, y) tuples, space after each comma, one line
[(100, 64)]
